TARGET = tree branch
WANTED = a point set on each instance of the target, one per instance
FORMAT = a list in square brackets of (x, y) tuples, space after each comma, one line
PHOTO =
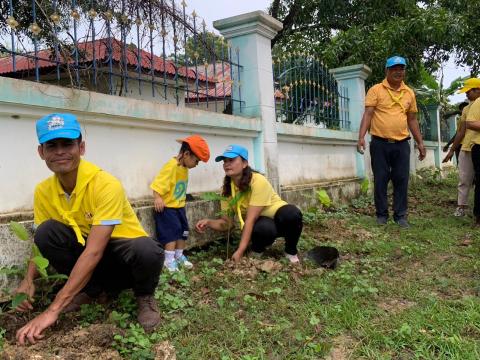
[(274, 8)]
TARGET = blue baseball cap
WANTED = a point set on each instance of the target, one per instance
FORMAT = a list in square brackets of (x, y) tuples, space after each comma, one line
[(232, 151), (55, 126), (395, 60)]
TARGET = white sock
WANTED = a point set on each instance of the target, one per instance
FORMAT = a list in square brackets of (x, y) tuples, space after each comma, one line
[(169, 256), (178, 253)]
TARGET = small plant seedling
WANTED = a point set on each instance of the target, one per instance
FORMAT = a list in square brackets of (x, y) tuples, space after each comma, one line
[(324, 198), (37, 258), (365, 184), (229, 212)]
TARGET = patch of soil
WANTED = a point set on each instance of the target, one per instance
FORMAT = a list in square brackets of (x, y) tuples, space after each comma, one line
[(342, 349), (331, 230), (164, 351), (92, 342), (395, 306), (250, 267), (12, 321)]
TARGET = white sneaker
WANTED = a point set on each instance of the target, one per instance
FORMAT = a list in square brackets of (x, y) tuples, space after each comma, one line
[(183, 261), (293, 258), (459, 211), (171, 266)]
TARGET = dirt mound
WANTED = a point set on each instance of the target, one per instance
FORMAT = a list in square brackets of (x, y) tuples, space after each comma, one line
[(92, 342)]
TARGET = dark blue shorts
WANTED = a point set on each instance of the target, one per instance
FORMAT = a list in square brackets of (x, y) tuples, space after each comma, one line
[(171, 225)]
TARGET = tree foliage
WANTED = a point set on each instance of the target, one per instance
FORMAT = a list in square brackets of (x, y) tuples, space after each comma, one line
[(347, 32), (205, 47)]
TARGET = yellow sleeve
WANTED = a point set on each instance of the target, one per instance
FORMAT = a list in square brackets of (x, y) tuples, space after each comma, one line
[(474, 112), (39, 212), (162, 183), (413, 106), (371, 99), (261, 192), (109, 201), (463, 117)]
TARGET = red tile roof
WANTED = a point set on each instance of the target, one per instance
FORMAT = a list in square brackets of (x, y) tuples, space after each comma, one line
[(101, 47), (223, 86)]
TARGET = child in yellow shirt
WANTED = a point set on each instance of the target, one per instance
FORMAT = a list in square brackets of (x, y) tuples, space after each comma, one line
[(169, 192)]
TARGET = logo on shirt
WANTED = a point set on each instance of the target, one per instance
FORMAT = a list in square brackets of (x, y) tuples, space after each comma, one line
[(180, 190), (55, 122), (88, 216)]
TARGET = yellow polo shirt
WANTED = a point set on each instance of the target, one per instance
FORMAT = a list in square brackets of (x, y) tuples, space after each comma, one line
[(468, 133), (473, 114), (103, 203), (391, 107), (171, 184), (261, 193)]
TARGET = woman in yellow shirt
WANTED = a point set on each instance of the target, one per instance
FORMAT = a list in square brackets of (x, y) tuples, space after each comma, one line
[(262, 214)]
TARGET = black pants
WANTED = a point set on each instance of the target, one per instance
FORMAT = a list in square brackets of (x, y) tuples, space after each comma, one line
[(286, 223), (476, 169), (390, 161), (126, 263)]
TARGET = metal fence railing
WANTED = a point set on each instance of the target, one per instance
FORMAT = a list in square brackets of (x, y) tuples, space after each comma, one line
[(307, 94), (428, 131), (151, 49)]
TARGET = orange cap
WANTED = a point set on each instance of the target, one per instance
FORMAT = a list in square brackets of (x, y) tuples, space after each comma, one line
[(198, 145)]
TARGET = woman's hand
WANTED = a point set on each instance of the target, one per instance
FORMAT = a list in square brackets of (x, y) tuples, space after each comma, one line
[(237, 255), (202, 225)]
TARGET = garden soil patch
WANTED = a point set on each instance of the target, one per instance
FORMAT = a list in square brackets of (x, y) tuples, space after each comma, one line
[(92, 342)]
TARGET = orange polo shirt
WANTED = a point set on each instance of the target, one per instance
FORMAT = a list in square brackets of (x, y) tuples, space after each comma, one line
[(391, 107)]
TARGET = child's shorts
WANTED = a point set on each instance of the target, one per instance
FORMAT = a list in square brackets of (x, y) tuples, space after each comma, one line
[(171, 225)]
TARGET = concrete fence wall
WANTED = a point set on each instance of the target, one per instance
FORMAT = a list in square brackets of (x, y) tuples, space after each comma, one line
[(130, 138)]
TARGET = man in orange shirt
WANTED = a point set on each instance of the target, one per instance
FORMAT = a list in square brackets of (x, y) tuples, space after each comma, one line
[(390, 112)]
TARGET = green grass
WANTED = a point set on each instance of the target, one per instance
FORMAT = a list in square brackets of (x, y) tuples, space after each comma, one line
[(397, 294)]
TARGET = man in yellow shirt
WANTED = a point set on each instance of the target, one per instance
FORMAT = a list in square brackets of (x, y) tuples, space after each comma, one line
[(472, 138), (86, 228), (466, 173), (390, 112)]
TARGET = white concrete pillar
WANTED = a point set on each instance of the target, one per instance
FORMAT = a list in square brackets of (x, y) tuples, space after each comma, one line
[(251, 34), (353, 78)]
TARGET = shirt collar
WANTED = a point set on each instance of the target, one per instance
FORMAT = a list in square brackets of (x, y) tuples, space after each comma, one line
[(388, 86)]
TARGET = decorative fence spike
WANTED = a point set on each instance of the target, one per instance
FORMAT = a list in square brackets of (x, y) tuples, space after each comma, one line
[(123, 48)]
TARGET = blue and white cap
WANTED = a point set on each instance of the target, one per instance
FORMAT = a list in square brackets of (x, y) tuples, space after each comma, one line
[(232, 151), (55, 126), (395, 60)]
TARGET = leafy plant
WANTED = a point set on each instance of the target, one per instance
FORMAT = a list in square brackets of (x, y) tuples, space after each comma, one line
[(362, 202), (134, 343), (40, 262), (324, 198), (121, 319), (365, 184), (90, 313), (229, 212), (19, 230)]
